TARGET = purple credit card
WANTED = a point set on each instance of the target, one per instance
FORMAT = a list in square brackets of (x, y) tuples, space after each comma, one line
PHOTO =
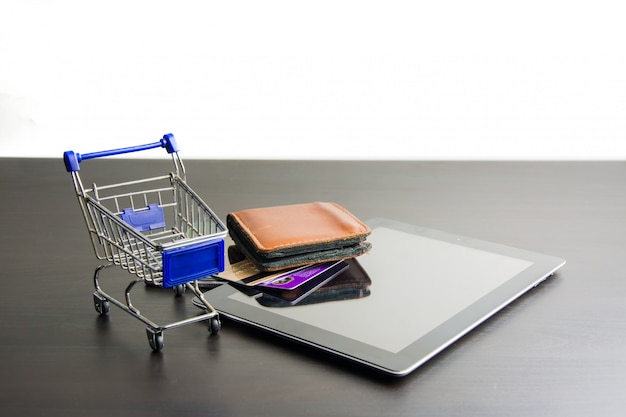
[(294, 279)]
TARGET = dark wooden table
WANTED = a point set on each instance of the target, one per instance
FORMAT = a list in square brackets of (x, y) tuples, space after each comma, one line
[(560, 350)]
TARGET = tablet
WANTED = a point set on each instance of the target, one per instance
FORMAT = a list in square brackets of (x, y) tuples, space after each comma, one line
[(424, 289)]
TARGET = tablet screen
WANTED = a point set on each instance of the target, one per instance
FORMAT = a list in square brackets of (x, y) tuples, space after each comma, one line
[(418, 283), (426, 288)]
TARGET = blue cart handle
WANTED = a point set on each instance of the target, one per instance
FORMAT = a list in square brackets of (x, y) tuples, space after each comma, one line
[(73, 159)]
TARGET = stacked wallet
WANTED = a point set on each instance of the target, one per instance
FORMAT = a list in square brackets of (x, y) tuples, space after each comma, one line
[(280, 237)]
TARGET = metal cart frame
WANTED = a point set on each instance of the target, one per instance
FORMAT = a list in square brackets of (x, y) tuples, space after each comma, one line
[(157, 229)]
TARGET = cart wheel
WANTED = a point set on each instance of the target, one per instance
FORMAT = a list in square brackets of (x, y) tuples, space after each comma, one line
[(179, 290), (155, 338), (214, 325), (100, 303)]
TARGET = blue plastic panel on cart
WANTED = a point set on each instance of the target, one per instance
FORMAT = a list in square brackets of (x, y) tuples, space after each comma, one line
[(193, 262), (143, 220)]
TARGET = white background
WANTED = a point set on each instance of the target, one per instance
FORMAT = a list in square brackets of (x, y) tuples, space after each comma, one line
[(316, 79)]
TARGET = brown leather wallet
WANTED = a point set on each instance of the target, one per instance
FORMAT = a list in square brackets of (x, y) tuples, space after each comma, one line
[(281, 237)]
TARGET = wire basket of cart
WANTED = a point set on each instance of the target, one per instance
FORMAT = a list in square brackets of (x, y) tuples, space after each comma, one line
[(157, 229)]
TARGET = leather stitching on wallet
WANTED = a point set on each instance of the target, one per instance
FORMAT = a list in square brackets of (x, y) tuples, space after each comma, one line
[(361, 231)]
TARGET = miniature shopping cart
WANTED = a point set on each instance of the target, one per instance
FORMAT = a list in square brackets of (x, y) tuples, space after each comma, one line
[(158, 229)]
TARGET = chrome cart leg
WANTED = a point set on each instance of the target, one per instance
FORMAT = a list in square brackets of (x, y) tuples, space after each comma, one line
[(154, 331), (100, 302), (130, 306), (96, 275), (215, 324)]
